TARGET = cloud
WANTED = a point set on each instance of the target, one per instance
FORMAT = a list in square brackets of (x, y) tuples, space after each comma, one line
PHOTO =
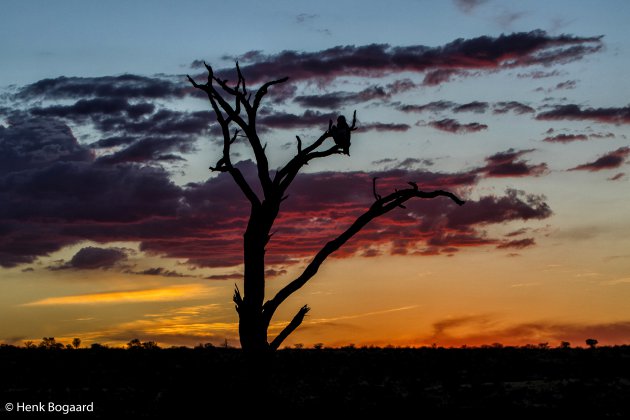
[(565, 138), (511, 106), (159, 271), (384, 127), (436, 106), (230, 276), (609, 160), (539, 74), (617, 177), (376, 60), (88, 107), (90, 258), (517, 243), (163, 294), (475, 106), (468, 6), (126, 125), (286, 120), (437, 77), (515, 205), (127, 86), (507, 164), (506, 18), (304, 17), (149, 149), (56, 195), (406, 163), (336, 100), (575, 112), (478, 330), (452, 126)]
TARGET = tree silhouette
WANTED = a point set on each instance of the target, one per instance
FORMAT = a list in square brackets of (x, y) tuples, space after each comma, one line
[(591, 343), (236, 112), (76, 343)]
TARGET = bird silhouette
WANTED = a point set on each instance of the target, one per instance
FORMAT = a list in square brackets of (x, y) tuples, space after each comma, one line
[(341, 134)]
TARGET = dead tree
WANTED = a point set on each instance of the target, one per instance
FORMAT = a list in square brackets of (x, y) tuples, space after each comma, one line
[(235, 109)]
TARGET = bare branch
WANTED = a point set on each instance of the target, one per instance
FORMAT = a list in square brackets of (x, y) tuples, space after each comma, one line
[(295, 322), (378, 208), (354, 121), (262, 91), (376, 196), (241, 79), (238, 300), (285, 175), (225, 164)]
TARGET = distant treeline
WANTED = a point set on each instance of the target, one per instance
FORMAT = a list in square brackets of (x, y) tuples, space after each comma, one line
[(51, 344)]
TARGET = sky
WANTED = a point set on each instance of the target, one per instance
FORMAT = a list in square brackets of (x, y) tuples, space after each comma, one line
[(112, 227)]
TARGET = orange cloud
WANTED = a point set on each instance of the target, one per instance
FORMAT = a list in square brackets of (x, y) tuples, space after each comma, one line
[(170, 293)]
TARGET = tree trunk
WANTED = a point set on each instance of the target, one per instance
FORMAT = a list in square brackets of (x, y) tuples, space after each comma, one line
[(252, 324)]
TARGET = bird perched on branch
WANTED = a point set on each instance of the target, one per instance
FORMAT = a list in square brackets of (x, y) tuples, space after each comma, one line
[(341, 134)]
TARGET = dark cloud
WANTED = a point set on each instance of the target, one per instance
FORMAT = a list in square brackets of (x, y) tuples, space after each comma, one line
[(113, 141), (468, 6), (569, 84), (601, 135), (30, 143), (126, 125), (575, 112), (384, 127), (275, 272), (511, 106), (406, 163), (610, 160), (376, 60), (159, 271), (150, 149), (436, 106), (515, 205), (286, 120), (410, 162), (56, 193), (452, 126), (617, 177), (507, 164), (303, 17), (539, 74), (126, 87), (91, 258), (437, 77), (517, 232), (517, 243), (335, 100), (565, 138), (475, 106), (85, 108), (230, 276), (384, 160)]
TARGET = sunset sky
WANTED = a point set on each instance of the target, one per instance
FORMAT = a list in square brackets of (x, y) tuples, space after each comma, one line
[(112, 227)]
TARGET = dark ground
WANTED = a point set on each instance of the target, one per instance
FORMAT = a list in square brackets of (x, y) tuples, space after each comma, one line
[(429, 383)]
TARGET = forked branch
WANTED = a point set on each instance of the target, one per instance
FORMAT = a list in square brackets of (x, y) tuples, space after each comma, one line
[(381, 206), (295, 322)]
